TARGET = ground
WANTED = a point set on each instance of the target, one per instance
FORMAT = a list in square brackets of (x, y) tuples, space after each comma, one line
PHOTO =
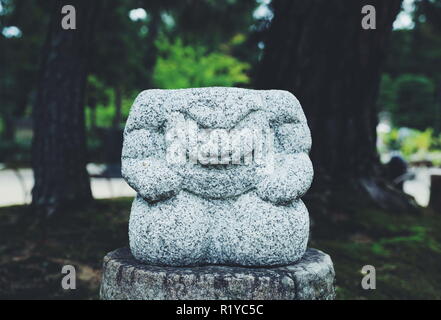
[(31, 257), (405, 249)]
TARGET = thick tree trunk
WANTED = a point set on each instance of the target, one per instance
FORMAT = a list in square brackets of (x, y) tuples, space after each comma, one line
[(318, 50), (59, 146)]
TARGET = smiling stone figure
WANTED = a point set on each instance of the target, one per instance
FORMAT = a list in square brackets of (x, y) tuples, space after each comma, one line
[(219, 174)]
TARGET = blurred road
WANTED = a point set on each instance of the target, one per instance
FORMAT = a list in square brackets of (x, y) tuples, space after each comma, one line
[(16, 186), (419, 187)]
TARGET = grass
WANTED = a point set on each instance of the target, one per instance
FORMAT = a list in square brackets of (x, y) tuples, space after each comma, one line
[(405, 249), (31, 257)]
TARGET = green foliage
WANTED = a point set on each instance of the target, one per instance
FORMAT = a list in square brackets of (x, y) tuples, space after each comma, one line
[(97, 92), (391, 139), (181, 66), (413, 144), (413, 71), (414, 105), (417, 142), (105, 112), (411, 101), (418, 235), (386, 98)]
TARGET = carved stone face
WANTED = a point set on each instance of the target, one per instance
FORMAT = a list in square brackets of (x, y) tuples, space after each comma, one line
[(221, 141), (219, 146), (209, 150)]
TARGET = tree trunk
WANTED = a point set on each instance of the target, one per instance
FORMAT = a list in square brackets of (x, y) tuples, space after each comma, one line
[(318, 50), (118, 107), (435, 193), (8, 134), (153, 26), (59, 146)]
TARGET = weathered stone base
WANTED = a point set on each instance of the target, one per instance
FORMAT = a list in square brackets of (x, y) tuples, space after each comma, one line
[(126, 278)]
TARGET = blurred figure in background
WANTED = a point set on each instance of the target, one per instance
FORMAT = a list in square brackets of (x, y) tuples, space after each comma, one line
[(397, 170)]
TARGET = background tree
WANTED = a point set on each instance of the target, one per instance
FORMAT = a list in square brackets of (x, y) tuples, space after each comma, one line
[(219, 20), (19, 73), (413, 70), (118, 52), (318, 50), (228, 27), (180, 66), (414, 104), (59, 146)]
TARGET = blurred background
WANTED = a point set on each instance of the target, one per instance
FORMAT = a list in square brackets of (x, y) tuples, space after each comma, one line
[(372, 99)]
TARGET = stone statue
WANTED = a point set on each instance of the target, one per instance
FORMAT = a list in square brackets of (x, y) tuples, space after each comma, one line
[(219, 174)]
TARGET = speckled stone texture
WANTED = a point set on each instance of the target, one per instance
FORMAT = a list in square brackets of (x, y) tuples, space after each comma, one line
[(124, 278), (193, 213)]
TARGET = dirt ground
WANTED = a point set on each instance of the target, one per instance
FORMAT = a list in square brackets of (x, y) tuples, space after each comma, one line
[(405, 249)]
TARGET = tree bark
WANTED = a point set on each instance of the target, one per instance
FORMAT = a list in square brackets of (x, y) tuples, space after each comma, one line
[(8, 134), (318, 50), (150, 59), (59, 145)]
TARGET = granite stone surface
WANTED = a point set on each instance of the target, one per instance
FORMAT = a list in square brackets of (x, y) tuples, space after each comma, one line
[(125, 278), (219, 174)]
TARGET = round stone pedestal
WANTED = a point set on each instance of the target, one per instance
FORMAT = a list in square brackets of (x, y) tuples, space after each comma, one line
[(126, 278)]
